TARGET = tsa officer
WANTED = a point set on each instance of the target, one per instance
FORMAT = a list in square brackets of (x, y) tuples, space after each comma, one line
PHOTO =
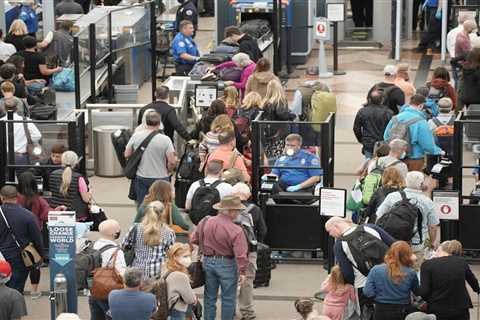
[(184, 49), (296, 180), (186, 11)]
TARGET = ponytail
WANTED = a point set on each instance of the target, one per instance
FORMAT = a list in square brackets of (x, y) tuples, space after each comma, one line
[(66, 180)]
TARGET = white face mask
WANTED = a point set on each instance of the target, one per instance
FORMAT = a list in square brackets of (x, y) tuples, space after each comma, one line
[(290, 152), (403, 155), (185, 261)]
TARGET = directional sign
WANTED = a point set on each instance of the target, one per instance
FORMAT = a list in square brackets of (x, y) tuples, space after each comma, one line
[(322, 29), (446, 204)]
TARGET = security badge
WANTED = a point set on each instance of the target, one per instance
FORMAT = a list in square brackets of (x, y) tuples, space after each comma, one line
[(181, 44), (315, 162), (302, 162)]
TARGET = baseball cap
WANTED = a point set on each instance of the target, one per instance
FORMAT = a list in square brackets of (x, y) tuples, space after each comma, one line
[(390, 70), (5, 269), (420, 316)]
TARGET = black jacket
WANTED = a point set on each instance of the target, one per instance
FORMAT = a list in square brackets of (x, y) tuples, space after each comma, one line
[(469, 92), (443, 285), (394, 97), (369, 125), (249, 46), (186, 11), (26, 231), (169, 119)]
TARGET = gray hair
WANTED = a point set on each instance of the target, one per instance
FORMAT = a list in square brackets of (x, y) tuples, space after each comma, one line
[(445, 104), (242, 59), (398, 145), (132, 277), (69, 158), (470, 25), (294, 136), (414, 180)]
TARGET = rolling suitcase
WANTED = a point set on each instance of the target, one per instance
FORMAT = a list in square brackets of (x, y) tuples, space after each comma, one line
[(265, 265)]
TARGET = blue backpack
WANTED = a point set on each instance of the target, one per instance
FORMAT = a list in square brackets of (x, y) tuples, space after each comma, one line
[(64, 80)]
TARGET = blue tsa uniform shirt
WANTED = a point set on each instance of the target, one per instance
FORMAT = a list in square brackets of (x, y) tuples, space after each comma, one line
[(182, 44), (291, 177)]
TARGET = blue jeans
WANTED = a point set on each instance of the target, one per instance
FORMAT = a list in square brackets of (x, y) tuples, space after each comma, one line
[(220, 273), (142, 185), (19, 276), (98, 308), (179, 315)]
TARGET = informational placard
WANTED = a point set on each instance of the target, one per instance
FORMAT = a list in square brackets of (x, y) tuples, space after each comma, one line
[(336, 12), (333, 202), (61, 229), (446, 204), (322, 29), (205, 95)]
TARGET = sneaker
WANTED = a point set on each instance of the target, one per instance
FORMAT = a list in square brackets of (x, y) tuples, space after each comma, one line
[(36, 295)]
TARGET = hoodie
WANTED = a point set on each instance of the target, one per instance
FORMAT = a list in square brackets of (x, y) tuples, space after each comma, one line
[(258, 82), (441, 84)]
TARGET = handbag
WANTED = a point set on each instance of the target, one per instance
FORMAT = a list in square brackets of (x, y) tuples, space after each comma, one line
[(106, 279), (129, 249), (197, 310), (96, 215), (354, 199), (30, 255), (34, 150), (197, 275), (134, 160)]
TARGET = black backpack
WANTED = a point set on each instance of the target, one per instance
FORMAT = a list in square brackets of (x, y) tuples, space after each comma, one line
[(203, 200), (160, 291), (367, 250), (245, 220), (399, 222), (86, 261), (189, 167)]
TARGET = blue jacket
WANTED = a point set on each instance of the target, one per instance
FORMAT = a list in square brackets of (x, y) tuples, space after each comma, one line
[(421, 138), (381, 287)]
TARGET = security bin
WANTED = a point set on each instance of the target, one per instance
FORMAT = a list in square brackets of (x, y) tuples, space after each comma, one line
[(106, 161), (126, 93)]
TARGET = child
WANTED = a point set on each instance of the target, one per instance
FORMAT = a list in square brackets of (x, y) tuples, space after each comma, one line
[(231, 99), (338, 293), (8, 92), (304, 307)]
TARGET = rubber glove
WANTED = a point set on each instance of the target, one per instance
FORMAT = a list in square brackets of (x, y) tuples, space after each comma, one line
[(294, 188), (438, 15), (264, 177)]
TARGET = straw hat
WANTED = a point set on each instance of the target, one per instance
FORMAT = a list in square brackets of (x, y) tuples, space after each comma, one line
[(230, 203)]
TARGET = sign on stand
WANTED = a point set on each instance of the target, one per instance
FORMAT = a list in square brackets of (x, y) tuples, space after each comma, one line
[(333, 202), (322, 33), (322, 29), (446, 204), (61, 229)]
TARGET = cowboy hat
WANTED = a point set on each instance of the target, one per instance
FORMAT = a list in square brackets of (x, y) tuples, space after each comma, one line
[(229, 203)]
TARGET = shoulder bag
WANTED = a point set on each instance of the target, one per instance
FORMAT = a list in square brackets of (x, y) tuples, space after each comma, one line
[(134, 160), (106, 279), (30, 255), (197, 275), (129, 249)]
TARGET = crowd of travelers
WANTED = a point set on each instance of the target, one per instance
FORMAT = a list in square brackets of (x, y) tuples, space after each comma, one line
[(390, 262)]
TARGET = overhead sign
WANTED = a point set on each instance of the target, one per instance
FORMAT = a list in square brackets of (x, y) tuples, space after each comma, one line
[(336, 12), (446, 204), (322, 29), (333, 202)]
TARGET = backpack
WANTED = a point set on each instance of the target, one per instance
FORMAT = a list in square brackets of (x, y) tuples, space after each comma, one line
[(203, 200), (373, 181), (245, 220), (444, 134), (189, 167), (86, 261), (385, 91), (230, 74), (120, 140), (43, 104), (227, 48), (322, 103), (399, 222), (160, 291), (367, 250), (400, 129), (64, 80)]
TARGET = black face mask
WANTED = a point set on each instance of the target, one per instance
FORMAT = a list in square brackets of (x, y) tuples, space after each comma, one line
[(117, 235)]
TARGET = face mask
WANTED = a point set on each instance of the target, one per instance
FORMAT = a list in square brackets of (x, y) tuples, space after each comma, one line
[(290, 152), (185, 261), (117, 235), (403, 155)]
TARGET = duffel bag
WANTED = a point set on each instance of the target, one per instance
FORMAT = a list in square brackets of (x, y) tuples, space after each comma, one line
[(215, 58)]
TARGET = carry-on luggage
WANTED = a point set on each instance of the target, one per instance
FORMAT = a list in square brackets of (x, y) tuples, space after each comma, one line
[(215, 58), (255, 28), (265, 265)]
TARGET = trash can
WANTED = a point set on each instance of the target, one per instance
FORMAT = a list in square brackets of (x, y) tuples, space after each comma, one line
[(106, 161)]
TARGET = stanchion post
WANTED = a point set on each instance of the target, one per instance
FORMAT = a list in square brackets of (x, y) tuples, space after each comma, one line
[(444, 4), (93, 62), (11, 147), (398, 29), (110, 62), (153, 44), (335, 51)]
